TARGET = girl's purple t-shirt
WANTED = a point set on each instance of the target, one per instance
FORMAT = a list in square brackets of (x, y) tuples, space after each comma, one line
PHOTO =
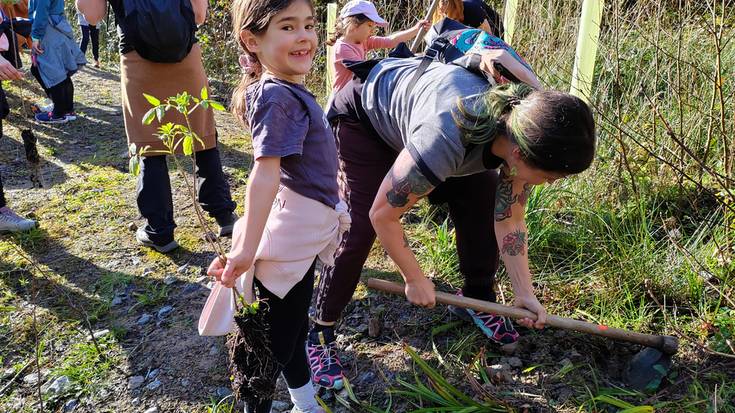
[(287, 122)]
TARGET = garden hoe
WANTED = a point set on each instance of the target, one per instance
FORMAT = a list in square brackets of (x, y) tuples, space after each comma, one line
[(646, 369), (422, 31)]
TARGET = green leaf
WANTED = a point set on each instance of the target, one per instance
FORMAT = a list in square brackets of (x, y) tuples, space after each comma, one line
[(530, 369), (216, 105), (149, 116), (445, 327), (613, 401), (133, 149), (204, 94), (160, 111), (441, 385), (134, 165), (166, 128), (638, 409), (564, 370), (182, 101), (188, 145), (205, 104), (152, 99)]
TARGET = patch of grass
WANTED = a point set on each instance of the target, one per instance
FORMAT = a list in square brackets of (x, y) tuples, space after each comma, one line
[(723, 339), (153, 295), (436, 250), (715, 392), (110, 281), (84, 366), (440, 395), (225, 405), (240, 175), (30, 240)]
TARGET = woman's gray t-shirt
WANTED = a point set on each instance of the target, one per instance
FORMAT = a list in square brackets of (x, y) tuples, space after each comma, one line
[(422, 120)]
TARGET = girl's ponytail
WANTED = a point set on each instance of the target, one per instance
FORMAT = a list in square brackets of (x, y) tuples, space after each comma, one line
[(251, 71), (486, 118), (339, 31), (343, 24)]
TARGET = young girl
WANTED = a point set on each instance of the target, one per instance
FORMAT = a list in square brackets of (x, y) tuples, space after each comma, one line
[(353, 37), (53, 68), (89, 31), (292, 203)]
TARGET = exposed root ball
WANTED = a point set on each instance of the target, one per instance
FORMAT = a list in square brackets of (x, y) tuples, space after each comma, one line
[(253, 369)]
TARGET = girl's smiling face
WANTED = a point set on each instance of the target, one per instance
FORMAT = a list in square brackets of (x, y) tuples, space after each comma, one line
[(286, 49)]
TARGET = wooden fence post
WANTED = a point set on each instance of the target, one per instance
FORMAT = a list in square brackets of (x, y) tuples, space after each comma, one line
[(331, 23), (509, 19), (587, 42)]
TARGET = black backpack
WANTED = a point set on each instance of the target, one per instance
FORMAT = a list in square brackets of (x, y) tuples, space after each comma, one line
[(161, 30)]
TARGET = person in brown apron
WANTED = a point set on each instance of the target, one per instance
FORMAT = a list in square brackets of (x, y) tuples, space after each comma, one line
[(139, 75)]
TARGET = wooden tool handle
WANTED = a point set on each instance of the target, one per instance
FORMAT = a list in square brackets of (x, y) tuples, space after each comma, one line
[(422, 31), (666, 344)]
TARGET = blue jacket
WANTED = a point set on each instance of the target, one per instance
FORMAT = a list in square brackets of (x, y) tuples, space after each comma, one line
[(39, 11)]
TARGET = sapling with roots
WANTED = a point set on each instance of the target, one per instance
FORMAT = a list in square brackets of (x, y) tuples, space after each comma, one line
[(251, 363)]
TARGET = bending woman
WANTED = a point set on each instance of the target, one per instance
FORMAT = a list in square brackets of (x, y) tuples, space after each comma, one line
[(479, 148)]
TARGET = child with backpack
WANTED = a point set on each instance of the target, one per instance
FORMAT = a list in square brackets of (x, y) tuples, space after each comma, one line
[(293, 212), (353, 37)]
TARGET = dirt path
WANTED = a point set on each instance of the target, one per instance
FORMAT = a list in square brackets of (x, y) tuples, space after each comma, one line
[(150, 302)]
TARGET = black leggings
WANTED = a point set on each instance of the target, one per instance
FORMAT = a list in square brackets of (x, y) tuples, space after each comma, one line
[(289, 324), (94, 33), (62, 94)]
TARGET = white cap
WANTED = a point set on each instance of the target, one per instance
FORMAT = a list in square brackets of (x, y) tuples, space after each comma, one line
[(365, 7)]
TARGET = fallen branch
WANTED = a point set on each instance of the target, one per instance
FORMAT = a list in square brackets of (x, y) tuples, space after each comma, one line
[(10, 383)]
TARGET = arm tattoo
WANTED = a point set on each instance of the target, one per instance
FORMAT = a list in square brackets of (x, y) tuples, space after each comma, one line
[(504, 197), (412, 182), (514, 243), (523, 196)]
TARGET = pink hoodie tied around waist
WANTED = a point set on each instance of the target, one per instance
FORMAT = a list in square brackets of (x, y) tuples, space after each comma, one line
[(298, 230)]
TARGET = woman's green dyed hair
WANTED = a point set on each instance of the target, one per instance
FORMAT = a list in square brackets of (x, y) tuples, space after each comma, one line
[(555, 131)]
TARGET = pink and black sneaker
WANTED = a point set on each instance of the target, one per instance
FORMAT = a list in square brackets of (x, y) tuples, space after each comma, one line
[(326, 369), (497, 328)]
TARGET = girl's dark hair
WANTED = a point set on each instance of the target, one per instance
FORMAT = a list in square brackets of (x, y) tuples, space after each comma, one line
[(254, 16), (342, 24), (555, 131)]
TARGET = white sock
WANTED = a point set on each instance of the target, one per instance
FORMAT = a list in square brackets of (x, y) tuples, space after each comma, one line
[(304, 398)]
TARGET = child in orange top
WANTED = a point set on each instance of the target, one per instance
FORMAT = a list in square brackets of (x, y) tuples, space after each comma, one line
[(353, 37)]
